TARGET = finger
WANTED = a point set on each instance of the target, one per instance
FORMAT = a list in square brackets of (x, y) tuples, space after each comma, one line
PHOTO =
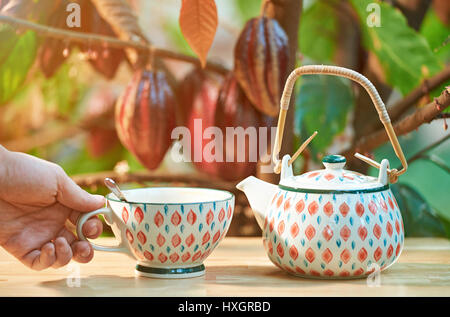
[(72, 196), (82, 251), (68, 235), (92, 228), (63, 252), (40, 259), (73, 217)]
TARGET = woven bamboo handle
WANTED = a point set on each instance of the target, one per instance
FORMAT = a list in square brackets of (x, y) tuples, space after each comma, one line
[(342, 72)]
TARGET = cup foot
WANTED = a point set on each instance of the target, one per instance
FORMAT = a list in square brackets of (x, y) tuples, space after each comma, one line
[(157, 272)]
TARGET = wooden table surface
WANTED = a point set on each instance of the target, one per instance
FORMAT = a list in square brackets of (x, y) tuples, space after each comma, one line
[(238, 267)]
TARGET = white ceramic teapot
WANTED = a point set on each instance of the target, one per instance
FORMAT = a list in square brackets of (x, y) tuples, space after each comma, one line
[(329, 223)]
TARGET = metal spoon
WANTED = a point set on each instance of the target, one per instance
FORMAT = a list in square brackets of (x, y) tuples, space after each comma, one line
[(111, 184)]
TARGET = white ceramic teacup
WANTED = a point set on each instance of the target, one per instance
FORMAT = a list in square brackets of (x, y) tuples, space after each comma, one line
[(169, 230)]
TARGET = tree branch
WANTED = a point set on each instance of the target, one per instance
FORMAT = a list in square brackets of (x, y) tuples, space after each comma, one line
[(72, 36), (97, 179), (404, 126), (54, 133), (413, 10), (400, 107)]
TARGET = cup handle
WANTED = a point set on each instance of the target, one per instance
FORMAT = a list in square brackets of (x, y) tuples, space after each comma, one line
[(107, 212)]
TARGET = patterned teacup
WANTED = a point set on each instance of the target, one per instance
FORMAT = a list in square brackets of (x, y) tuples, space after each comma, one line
[(169, 230)]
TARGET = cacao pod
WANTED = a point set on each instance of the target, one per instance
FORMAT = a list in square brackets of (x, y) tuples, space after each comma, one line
[(189, 88), (145, 117), (105, 60), (53, 51), (100, 107), (198, 94), (101, 141), (235, 110), (261, 58)]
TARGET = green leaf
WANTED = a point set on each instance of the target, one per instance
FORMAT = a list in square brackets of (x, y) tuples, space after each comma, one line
[(436, 34), (62, 92), (419, 219), (8, 39), (404, 55), (429, 179), (322, 103), (247, 9), (14, 69), (317, 34), (133, 163)]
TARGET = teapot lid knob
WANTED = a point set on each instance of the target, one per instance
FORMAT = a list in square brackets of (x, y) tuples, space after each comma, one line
[(334, 161)]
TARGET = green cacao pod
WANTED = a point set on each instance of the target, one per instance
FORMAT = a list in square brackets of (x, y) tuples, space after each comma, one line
[(145, 117), (261, 58)]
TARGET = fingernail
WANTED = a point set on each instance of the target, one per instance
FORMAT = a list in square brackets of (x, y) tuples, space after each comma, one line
[(85, 253), (93, 231)]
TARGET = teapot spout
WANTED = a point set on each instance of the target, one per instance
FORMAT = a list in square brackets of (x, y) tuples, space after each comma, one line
[(259, 194)]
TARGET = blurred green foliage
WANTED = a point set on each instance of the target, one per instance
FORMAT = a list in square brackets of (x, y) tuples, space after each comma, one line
[(405, 55), (437, 34), (63, 93), (322, 103), (18, 53), (173, 31), (429, 181), (419, 218), (317, 34), (247, 9)]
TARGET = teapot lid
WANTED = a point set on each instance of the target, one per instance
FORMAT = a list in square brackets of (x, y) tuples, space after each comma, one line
[(333, 178)]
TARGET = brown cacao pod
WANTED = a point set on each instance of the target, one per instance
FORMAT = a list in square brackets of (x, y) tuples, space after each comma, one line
[(145, 117), (261, 58), (101, 141), (100, 106), (53, 51), (235, 110), (198, 94), (188, 90), (105, 60)]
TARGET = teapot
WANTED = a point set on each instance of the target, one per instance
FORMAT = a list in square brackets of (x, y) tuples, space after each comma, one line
[(331, 223)]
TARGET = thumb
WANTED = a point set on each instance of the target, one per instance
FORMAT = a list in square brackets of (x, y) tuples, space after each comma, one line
[(73, 196)]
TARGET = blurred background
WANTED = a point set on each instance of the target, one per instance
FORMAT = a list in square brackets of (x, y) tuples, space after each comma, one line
[(57, 98)]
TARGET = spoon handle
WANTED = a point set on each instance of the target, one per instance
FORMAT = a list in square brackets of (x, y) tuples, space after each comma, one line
[(111, 184)]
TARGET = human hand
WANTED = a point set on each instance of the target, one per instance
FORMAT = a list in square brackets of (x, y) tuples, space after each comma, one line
[(38, 204)]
